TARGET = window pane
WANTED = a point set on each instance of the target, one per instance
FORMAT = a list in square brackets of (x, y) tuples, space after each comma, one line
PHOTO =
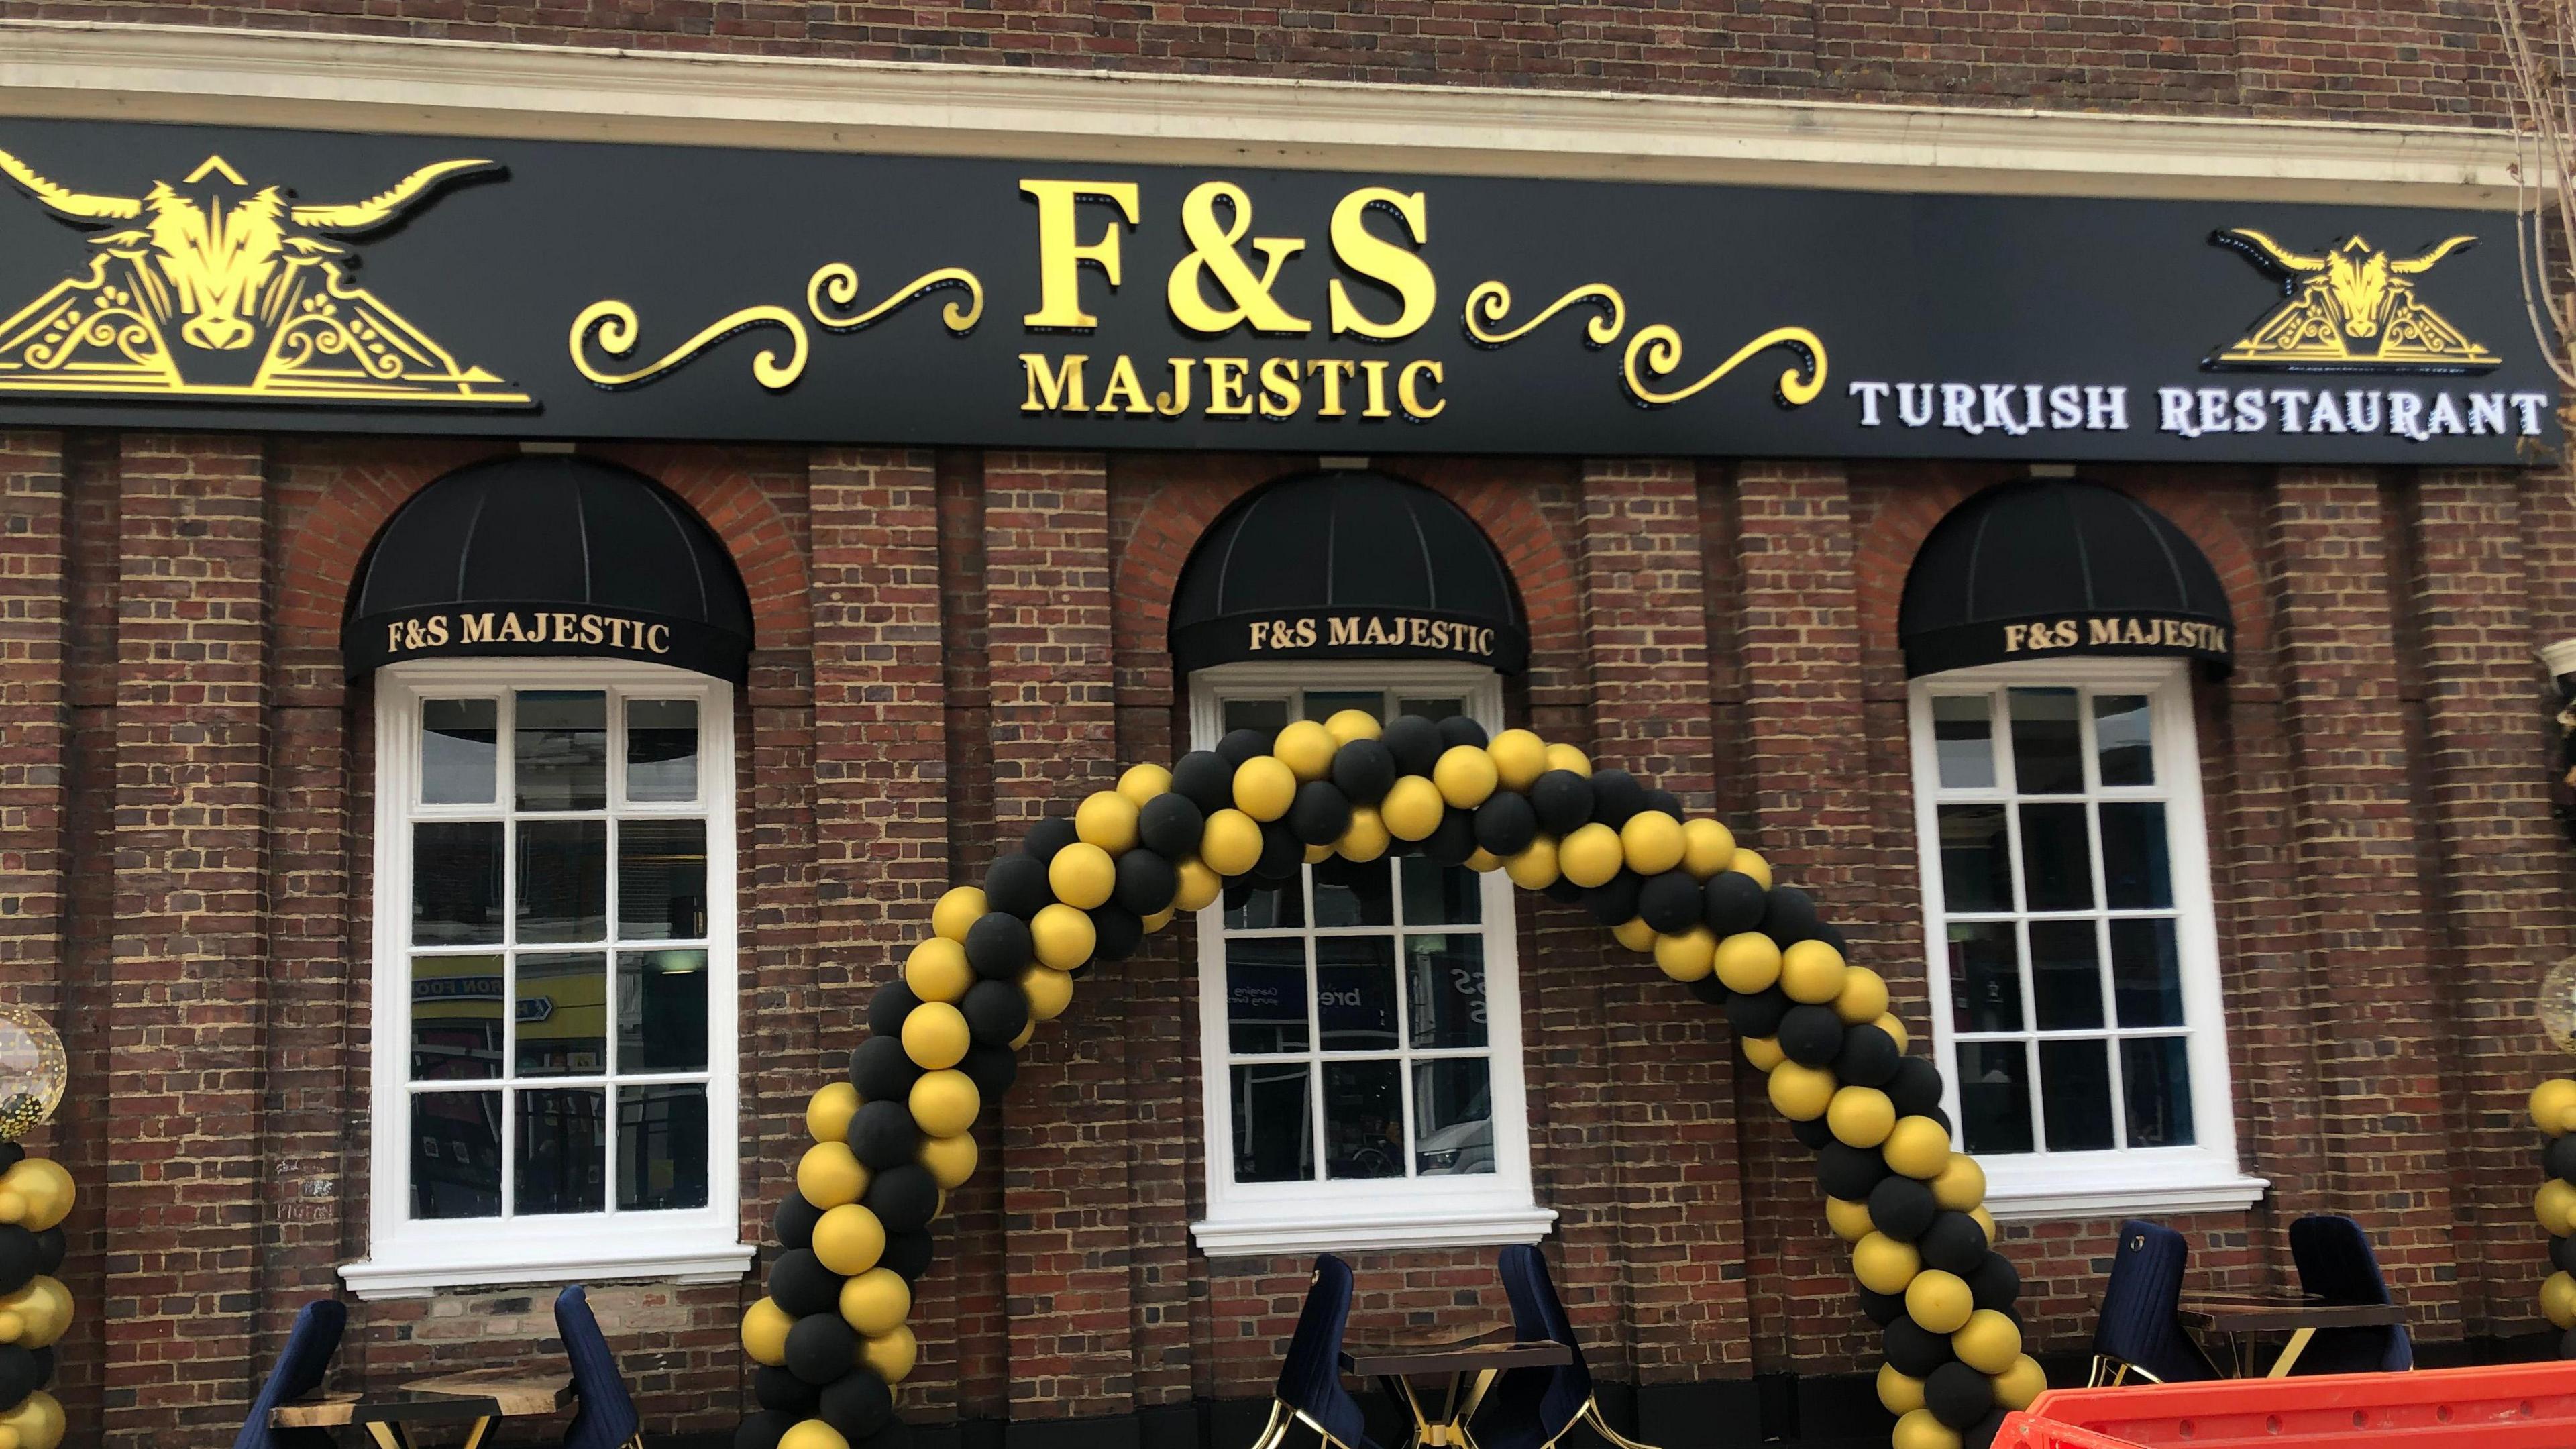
[(1445, 991), (2146, 973), (1440, 895), (1994, 1097), (1453, 1118), (456, 883), (2066, 974), (562, 1161), (2122, 739), (1323, 704), (1253, 906), (1985, 977), (455, 1018), (2136, 873), (1432, 708), (661, 879), (1355, 993), (1274, 1129), (1976, 858), (2157, 1081), (662, 1146), (2048, 744), (1363, 1120), (1352, 893), (662, 1011), (561, 1004), (460, 750), (1269, 716), (661, 749), (2076, 1076), (1265, 995), (456, 1155), (563, 880), (1963, 739), (562, 749), (2056, 858)]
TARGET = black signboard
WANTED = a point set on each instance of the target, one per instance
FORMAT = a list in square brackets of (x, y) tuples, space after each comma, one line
[(264, 279)]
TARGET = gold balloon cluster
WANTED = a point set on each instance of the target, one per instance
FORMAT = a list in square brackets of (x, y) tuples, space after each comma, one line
[(2553, 1111), (891, 1142)]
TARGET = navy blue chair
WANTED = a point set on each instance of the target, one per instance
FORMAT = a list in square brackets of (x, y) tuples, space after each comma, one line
[(2138, 1333), (299, 1370), (1532, 1408), (1310, 1388), (2336, 1264), (606, 1417)]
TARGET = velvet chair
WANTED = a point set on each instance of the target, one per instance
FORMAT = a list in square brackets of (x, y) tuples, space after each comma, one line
[(2138, 1333), (298, 1371), (1310, 1388), (1532, 1408), (606, 1417), (2336, 1264)]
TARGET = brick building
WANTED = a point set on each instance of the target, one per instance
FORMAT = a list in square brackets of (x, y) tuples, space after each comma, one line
[(2338, 874)]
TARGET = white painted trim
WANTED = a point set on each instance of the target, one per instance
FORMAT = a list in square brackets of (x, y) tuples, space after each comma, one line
[(210, 74), (1265, 1237), (422, 1277), (2062, 1201)]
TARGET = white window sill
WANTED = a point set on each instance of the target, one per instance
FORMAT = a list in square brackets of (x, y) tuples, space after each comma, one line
[(500, 1265), (2027, 1194), (1252, 1237)]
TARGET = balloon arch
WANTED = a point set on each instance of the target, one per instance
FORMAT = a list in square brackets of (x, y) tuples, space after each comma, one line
[(890, 1142)]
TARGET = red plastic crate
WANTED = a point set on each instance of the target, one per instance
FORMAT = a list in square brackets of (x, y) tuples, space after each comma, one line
[(2511, 1406)]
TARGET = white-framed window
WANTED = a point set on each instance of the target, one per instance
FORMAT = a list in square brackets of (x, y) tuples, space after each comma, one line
[(554, 1066), (2077, 1014), (1360, 1039)]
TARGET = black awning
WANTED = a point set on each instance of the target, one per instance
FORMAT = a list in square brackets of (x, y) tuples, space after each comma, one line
[(2049, 567), (1346, 565), (548, 555)]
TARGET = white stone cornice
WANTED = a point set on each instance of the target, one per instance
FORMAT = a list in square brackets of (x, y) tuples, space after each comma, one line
[(449, 87)]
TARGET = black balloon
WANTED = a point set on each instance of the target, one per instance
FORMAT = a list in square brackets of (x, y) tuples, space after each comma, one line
[(1708, 989), (1915, 1350), (1458, 730), (1669, 902), (1563, 892), (1147, 879), (1116, 932), (995, 1011), (1733, 903), (1281, 853), (903, 1198), (1365, 771), (1982, 1434), (1995, 1283), (1666, 801), (1954, 1243), (802, 1285), (1958, 1395), (892, 1003), (1869, 1057), (1849, 1172), (1812, 1135), (775, 1388), (11, 1154), (1320, 813), (1017, 886), (1788, 916), (763, 1430), (1206, 779), (2562, 1254), (1563, 800), (1811, 1035), (1047, 837), (857, 1404), (1882, 1308), (1916, 1088), (1414, 742), (17, 1262), (908, 1254), (1616, 796), (49, 1254), (882, 1134), (1902, 1208), (1614, 901), (998, 946), (794, 1221), (1758, 1015), (821, 1348), (1505, 823), (895, 1435), (883, 1071), (1454, 839), (991, 1068), (1827, 933), (1241, 745), (2560, 1157)]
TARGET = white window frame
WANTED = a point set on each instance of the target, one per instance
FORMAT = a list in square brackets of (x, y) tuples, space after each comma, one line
[(2043, 1185), (1255, 1219), (411, 1258)]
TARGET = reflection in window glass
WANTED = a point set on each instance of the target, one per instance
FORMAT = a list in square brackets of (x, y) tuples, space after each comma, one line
[(661, 879), (1985, 977), (1323, 704), (662, 1147), (1353, 894), (455, 1018), (1976, 858), (460, 751), (1265, 994), (1440, 895), (1252, 905), (2136, 874), (2047, 742), (456, 883), (2155, 1076), (1963, 740), (1269, 716), (2066, 974), (1355, 993), (561, 752), (661, 749), (2075, 1085), (1453, 1113), (2123, 739), (1274, 1129), (2056, 858), (662, 1010), (560, 1007), (562, 1164), (1994, 1097), (2146, 972), (563, 880), (1363, 1119), (1445, 990), (456, 1155)]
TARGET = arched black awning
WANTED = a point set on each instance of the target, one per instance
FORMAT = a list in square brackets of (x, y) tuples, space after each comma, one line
[(2049, 567), (548, 555), (1346, 565)]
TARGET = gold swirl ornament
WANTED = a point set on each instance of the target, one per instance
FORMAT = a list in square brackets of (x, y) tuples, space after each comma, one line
[(1491, 302), (837, 284), (617, 327), (1659, 348)]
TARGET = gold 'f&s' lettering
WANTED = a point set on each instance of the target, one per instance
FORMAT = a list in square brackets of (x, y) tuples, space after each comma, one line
[(1212, 255), (1361, 250), (1060, 256)]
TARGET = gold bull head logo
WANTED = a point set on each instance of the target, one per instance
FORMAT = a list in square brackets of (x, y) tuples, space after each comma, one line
[(226, 290), (2352, 305)]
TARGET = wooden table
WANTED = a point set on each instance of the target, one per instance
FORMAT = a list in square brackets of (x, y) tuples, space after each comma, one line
[(473, 1398), (2243, 1316), (1461, 1355)]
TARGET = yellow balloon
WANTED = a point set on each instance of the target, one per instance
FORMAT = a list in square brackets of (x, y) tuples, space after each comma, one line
[(1751, 863), (1860, 1116), (1652, 842), (1158, 920), (1849, 1220), (1199, 885), (935, 1035), (1919, 1147), (812, 1434), (1800, 1092), (2551, 1103), (1688, 956), (951, 1160), (1989, 1342), (1306, 748), (1634, 934), (1082, 875), (1961, 1185), (1264, 786), (1917, 1430), (1412, 808), (1062, 937), (1863, 998), (958, 910), (37, 1422), (2557, 1299), (1884, 1265), (1764, 1053), (1483, 861), (1140, 784), (2552, 1205), (1049, 992), (1567, 757), (892, 1354), (764, 1332), (1107, 818), (1706, 847), (1465, 775), (937, 970), (1316, 854), (1895, 1030), (829, 1174), (1534, 869), (1812, 972), (1986, 1224), (1748, 962), (945, 1103), (1367, 837), (1939, 1301), (877, 1301), (1898, 1393), (828, 1111), (1590, 854), (1230, 843), (1519, 757), (1352, 724), (1026, 1032), (2024, 1381)]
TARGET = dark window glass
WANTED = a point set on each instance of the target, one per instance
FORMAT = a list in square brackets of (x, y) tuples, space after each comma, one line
[(1985, 977), (563, 1151), (562, 1014), (1355, 993), (563, 880), (1363, 1119), (1432, 708), (2146, 973), (2123, 739), (1253, 906), (1349, 893), (2076, 1076), (1445, 990), (1453, 1116), (661, 749), (1994, 1096), (1976, 858), (1323, 704), (661, 879), (562, 749), (1440, 895), (2136, 875), (1269, 716), (2048, 742), (2156, 1079), (2056, 858), (1274, 1129), (460, 750), (455, 1018), (662, 1011), (456, 1155), (662, 1146), (1963, 740), (1265, 994), (456, 883), (2066, 974)]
